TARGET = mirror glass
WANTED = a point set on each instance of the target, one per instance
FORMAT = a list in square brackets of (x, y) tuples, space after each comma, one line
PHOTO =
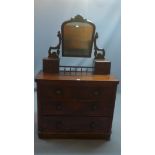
[(77, 39)]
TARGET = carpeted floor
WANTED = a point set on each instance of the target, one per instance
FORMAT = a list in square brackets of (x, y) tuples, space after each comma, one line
[(82, 147)]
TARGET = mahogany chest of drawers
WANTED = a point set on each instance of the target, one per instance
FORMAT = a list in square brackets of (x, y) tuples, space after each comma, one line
[(75, 106)]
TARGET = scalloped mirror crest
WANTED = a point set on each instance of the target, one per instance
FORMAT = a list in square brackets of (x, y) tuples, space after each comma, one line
[(78, 18)]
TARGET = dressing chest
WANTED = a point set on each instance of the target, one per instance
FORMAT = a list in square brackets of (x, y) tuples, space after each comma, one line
[(76, 101)]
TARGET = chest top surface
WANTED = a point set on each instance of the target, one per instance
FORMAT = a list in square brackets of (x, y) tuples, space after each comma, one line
[(74, 77)]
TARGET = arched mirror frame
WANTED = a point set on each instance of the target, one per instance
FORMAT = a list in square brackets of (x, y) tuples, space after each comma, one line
[(80, 19), (77, 18)]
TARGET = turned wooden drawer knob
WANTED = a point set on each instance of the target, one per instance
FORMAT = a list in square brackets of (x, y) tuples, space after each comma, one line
[(93, 106), (92, 125), (96, 92), (58, 92), (58, 107), (59, 124)]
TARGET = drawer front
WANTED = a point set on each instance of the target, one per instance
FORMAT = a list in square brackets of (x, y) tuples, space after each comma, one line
[(63, 124), (101, 93), (77, 92), (56, 92), (76, 107)]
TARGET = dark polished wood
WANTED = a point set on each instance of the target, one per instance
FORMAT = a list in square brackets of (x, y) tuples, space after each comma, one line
[(76, 101), (51, 65), (75, 124), (77, 37), (96, 49), (102, 66), (50, 55), (72, 135), (61, 77), (75, 106)]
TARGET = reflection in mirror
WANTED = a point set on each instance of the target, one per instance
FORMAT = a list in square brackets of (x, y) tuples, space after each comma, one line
[(77, 39)]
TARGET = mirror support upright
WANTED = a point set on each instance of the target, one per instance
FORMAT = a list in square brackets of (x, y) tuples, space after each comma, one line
[(55, 54), (96, 49)]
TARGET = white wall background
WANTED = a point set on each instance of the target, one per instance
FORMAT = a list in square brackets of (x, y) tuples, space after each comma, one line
[(106, 14)]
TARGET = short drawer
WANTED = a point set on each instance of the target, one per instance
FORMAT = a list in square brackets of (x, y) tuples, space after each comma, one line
[(53, 92), (63, 124), (76, 107), (93, 92)]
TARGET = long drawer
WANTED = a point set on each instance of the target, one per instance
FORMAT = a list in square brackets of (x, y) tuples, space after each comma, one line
[(76, 92), (67, 124), (76, 107)]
